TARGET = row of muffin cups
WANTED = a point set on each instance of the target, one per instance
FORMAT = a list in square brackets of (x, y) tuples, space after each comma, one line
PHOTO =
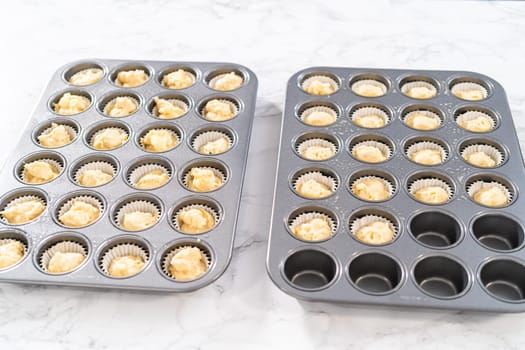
[(108, 252), (374, 115), (416, 86)]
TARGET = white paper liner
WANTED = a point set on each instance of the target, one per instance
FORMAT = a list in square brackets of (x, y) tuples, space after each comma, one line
[(69, 129), (423, 145), (415, 84), (105, 106), (103, 166), (233, 107), (214, 80), (494, 153), (429, 182), (376, 83), (471, 115), (210, 210), (322, 78), (383, 147), (209, 136), (308, 216), (364, 111), (4, 241), (426, 113), (326, 180), (84, 198), (61, 247), (310, 110), (193, 79), (167, 259), (56, 164), (358, 223), (174, 101), (390, 187), (134, 206), (474, 187), (120, 250), (72, 94), (98, 132), (19, 200), (316, 142), (216, 172), (135, 174), (173, 132), (466, 86)]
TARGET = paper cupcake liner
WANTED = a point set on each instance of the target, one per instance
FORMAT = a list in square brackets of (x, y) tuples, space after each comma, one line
[(233, 107), (83, 71), (120, 250), (173, 132), (84, 198), (471, 115), (134, 206), (167, 259), (12, 240), (474, 187), (376, 83), (214, 80), (383, 147), (105, 106), (210, 210), (322, 78), (19, 200), (316, 142), (174, 101), (305, 217), (426, 113), (494, 153), (103, 166), (390, 187), (423, 145), (209, 136), (216, 172), (61, 247), (69, 129), (466, 86), (193, 79), (98, 132), (364, 111), (415, 84), (428, 182), (326, 180), (72, 94), (135, 174), (309, 111), (118, 83), (358, 223), (57, 165)]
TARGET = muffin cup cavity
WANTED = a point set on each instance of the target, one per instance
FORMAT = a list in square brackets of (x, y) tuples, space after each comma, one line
[(121, 246), (365, 109), (194, 75), (130, 67), (307, 109), (213, 77), (387, 179), (100, 128), (111, 98), (310, 270), (176, 100), (460, 85), (170, 128), (87, 197), (103, 163), (441, 277), (234, 105), (484, 181), (71, 127), (9, 236), (490, 148), (54, 160), (219, 170), (499, 232), (70, 72), (379, 82), (425, 110), (365, 217), (21, 196), (306, 214), (384, 144), (202, 203), (422, 180), (504, 279), (435, 229), (418, 144), (375, 273), (145, 165), (206, 135), (178, 246), (75, 92), (322, 176), (419, 81), (63, 242), (326, 78), (305, 141), (137, 203)]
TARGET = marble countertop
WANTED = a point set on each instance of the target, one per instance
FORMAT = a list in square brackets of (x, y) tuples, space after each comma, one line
[(243, 309)]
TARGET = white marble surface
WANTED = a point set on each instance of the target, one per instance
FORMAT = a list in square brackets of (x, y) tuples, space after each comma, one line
[(243, 309)]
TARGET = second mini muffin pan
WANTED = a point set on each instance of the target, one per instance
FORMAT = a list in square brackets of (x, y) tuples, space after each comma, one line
[(399, 187), (142, 164)]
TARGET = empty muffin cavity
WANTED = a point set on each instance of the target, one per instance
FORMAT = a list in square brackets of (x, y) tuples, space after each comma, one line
[(56, 133), (316, 146), (498, 232), (430, 188), (196, 215), (310, 269), (315, 183), (435, 229), (94, 170), (375, 273), (185, 261), (476, 119), (169, 106), (212, 140), (373, 226), (419, 87), (312, 223), (369, 85), (119, 104), (204, 176), (40, 168), (372, 185), (470, 89), (504, 279), (318, 113), (426, 151), (123, 257), (482, 153), (79, 210), (22, 206), (490, 190), (137, 212), (441, 277), (320, 83), (107, 135), (370, 116)]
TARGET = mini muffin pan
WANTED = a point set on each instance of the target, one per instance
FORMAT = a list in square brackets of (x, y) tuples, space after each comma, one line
[(105, 238), (457, 254)]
